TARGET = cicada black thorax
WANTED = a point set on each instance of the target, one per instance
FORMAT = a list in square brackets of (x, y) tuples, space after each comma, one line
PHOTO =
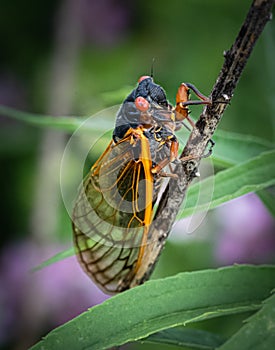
[(147, 108)]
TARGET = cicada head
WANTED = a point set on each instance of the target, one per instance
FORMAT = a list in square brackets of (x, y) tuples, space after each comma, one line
[(147, 105)]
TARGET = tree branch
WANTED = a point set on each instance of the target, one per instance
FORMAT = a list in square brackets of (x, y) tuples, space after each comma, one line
[(235, 60)]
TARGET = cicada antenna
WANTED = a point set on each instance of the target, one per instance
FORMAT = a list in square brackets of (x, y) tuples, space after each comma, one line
[(152, 67)]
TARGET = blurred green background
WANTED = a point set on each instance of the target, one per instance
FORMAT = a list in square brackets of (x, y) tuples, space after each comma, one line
[(76, 57)]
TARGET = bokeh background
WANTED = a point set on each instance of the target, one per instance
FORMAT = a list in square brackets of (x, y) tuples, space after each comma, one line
[(76, 57)]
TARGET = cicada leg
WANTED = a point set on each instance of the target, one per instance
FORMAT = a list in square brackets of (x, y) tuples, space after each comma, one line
[(182, 102), (182, 111), (174, 147)]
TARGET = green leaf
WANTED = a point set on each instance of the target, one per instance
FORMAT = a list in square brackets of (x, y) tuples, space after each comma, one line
[(57, 257), (190, 337), (232, 148), (63, 123), (165, 303), (250, 176), (92, 124), (259, 331), (268, 198)]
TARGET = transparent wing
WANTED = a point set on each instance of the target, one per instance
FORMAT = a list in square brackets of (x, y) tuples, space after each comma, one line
[(113, 212)]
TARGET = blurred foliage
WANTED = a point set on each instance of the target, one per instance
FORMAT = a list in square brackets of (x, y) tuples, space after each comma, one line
[(186, 38)]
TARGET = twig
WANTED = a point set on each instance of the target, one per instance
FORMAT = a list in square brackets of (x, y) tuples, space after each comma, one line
[(235, 60)]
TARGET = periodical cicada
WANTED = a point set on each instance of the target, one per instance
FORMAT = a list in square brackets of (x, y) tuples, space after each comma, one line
[(116, 202)]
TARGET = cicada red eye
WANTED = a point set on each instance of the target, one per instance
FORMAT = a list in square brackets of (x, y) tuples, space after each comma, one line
[(142, 104)]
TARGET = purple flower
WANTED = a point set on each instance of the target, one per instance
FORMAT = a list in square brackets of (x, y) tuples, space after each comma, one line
[(247, 232), (32, 303)]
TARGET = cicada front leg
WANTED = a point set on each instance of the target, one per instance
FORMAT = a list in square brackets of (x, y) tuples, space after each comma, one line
[(182, 111), (182, 102)]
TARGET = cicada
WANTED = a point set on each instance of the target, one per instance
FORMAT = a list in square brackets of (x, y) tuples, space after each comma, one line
[(116, 202)]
